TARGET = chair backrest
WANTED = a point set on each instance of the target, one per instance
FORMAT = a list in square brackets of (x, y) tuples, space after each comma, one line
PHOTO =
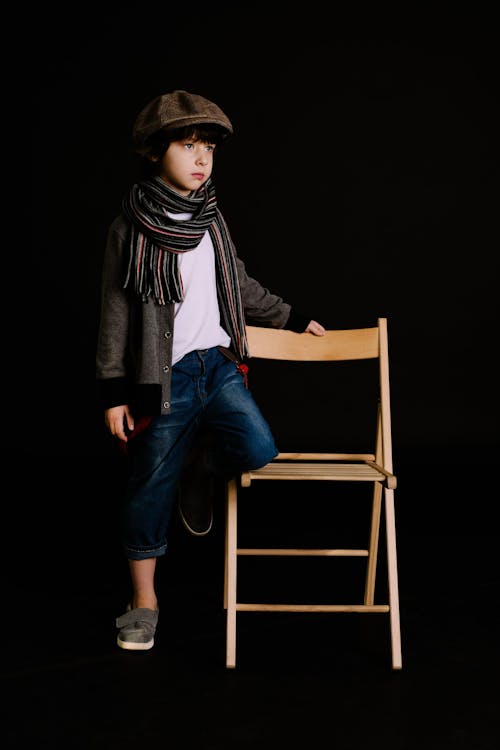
[(335, 345), (339, 345)]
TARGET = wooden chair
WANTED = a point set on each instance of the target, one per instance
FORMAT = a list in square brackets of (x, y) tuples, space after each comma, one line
[(375, 467)]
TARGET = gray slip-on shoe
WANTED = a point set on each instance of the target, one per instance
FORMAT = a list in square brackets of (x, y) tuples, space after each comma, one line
[(137, 629)]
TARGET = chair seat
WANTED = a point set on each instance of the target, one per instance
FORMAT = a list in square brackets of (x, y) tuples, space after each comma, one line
[(341, 472)]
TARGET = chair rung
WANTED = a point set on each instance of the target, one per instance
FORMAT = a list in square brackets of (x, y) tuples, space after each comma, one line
[(312, 607), (303, 552)]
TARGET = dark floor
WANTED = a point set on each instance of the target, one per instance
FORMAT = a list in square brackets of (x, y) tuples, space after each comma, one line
[(301, 680)]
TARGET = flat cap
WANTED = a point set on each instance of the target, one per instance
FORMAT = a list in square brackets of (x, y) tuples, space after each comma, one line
[(176, 109)]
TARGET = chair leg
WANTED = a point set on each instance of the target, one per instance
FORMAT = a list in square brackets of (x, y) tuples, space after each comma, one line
[(231, 561), (226, 535), (371, 568), (392, 569)]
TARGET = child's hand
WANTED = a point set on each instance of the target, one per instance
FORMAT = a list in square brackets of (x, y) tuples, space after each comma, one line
[(315, 328), (119, 421)]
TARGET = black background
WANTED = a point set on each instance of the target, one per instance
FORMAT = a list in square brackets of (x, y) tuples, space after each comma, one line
[(361, 181)]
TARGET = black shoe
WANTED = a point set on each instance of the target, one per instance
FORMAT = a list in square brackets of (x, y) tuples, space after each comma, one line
[(196, 494)]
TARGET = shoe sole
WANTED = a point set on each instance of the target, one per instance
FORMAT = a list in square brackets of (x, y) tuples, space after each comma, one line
[(192, 531), (132, 646)]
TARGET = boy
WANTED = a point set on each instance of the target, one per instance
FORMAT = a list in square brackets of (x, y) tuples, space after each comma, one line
[(175, 298)]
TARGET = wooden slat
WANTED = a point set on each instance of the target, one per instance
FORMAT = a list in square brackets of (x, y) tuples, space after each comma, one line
[(312, 607), (273, 343), (325, 457), (326, 472), (290, 552)]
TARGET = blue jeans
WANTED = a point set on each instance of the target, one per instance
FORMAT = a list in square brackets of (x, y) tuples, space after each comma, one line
[(207, 393)]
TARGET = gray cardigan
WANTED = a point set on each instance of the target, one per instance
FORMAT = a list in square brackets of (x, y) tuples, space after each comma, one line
[(134, 343)]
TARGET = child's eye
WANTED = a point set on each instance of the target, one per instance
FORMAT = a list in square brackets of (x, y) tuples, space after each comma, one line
[(209, 147)]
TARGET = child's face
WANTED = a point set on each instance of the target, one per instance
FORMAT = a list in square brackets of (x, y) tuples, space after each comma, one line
[(187, 164)]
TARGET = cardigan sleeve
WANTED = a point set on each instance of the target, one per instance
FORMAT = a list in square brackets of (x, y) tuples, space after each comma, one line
[(112, 336), (260, 305), (266, 309)]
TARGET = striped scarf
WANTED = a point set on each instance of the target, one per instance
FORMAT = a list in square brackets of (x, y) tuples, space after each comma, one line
[(157, 239)]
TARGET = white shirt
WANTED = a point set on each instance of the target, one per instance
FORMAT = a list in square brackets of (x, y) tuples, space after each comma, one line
[(197, 317)]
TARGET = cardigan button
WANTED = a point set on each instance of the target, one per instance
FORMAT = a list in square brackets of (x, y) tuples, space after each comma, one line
[(166, 404), (167, 334), (166, 368)]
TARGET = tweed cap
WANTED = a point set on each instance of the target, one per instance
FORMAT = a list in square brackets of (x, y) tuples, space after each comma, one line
[(175, 110)]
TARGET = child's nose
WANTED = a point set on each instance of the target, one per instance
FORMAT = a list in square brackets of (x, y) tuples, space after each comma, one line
[(201, 156)]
